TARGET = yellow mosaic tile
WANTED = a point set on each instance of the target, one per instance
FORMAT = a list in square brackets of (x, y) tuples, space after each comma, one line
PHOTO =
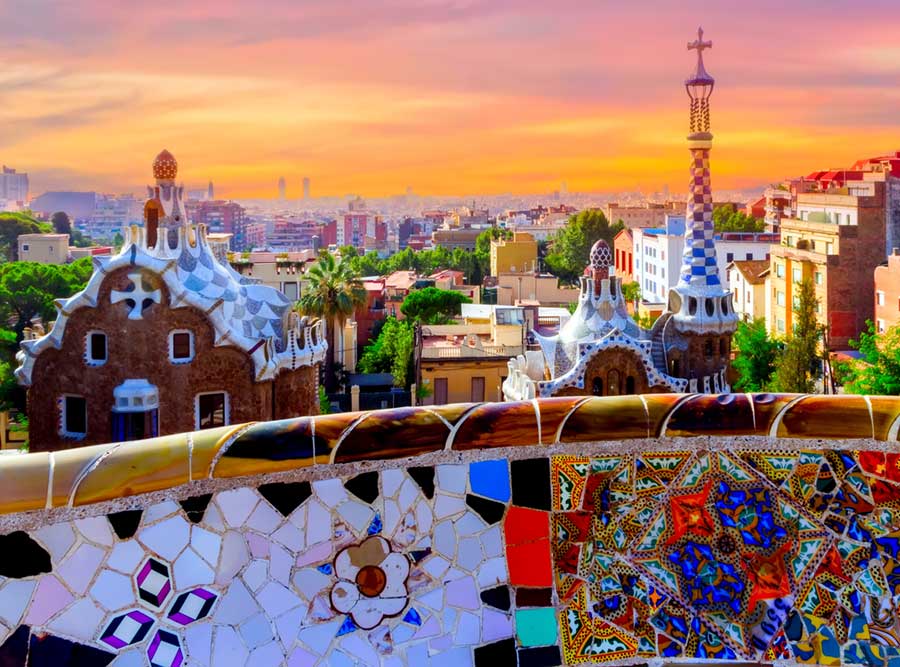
[(23, 486)]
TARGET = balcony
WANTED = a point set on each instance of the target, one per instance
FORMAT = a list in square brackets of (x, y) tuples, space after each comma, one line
[(467, 352)]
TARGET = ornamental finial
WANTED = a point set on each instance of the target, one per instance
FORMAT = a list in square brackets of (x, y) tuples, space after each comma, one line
[(699, 86)]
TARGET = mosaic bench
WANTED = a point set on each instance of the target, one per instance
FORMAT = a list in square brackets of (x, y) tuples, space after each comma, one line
[(635, 529)]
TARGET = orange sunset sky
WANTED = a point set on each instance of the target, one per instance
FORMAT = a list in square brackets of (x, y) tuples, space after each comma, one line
[(446, 96)]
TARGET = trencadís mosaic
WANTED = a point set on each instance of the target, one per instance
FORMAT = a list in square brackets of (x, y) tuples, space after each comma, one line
[(777, 549)]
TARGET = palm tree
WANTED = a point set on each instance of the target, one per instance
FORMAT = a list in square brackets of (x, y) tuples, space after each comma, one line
[(334, 292)]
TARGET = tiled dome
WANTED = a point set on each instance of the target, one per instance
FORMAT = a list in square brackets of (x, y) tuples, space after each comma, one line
[(165, 167)]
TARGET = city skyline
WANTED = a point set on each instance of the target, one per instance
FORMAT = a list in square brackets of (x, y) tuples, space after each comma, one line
[(448, 97)]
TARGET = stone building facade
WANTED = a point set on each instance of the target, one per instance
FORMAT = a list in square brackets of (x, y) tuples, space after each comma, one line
[(167, 339)]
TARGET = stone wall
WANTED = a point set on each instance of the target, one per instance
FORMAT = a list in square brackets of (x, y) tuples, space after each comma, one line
[(561, 531)]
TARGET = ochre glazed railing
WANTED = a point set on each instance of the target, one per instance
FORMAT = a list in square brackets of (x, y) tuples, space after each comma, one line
[(568, 531)]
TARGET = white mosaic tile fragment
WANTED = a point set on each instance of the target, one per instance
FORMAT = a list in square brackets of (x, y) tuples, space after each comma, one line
[(132, 658), (57, 539), (355, 645), (330, 491), (445, 539), (198, 641), (256, 574), (206, 543), (468, 629), (403, 633), (235, 555), (14, 598), (81, 620), (264, 519), (126, 556), (276, 599), (237, 505), (470, 524), (492, 573), (409, 494), (318, 525), (190, 570), (113, 590), (310, 581), (470, 554), (96, 529), (318, 637), (288, 624), (435, 566), (356, 514), (280, 564), (424, 518), (459, 656), (452, 478), (448, 506), (391, 517), (290, 536), (495, 625), (391, 481), (236, 605), (80, 567), (212, 519), (160, 511), (228, 649), (269, 655), (433, 599), (300, 657), (166, 538), (256, 631), (492, 541)]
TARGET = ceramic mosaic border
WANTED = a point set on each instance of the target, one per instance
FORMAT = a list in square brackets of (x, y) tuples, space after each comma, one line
[(526, 534), (86, 475)]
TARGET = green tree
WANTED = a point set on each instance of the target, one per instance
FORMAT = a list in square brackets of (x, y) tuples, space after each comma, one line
[(570, 248), (631, 292), (61, 223), (432, 305), (756, 354), (333, 293), (726, 219), (796, 367), (28, 289), (878, 372), (13, 225), (391, 352)]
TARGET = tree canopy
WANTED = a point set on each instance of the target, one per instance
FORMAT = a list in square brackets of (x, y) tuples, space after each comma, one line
[(797, 366), (391, 352), (61, 223), (570, 248), (333, 293), (432, 305), (13, 225), (28, 289), (726, 219), (878, 372), (756, 354)]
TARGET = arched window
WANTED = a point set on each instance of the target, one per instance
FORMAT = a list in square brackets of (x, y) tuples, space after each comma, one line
[(692, 305), (676, 368), (597, 389), (721, 347), (710, 307), (709, 347), (629, 384)]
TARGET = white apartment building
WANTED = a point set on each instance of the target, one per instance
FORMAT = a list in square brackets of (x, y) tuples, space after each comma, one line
[(657, 256), (13, 187)]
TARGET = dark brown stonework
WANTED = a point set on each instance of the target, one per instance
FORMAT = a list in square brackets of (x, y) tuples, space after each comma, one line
[(613, 367), (139, 349)]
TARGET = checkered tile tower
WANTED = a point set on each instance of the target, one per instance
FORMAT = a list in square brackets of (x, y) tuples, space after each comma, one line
[(699, 302)]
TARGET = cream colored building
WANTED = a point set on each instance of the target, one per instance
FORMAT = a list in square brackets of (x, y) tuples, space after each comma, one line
[(515, 255), (543, 288), (457, 363), (44, 248), (747, 279)]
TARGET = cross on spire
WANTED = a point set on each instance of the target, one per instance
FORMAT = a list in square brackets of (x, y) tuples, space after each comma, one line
[(699, 45)]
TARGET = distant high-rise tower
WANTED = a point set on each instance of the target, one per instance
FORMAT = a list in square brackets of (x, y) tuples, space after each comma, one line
[(306, 187), (282, 188), (210, 192)]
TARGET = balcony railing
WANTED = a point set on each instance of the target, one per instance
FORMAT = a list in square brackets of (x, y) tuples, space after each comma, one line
[(466, 352)]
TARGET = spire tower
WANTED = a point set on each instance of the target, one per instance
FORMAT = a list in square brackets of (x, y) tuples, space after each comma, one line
[(699, 302)]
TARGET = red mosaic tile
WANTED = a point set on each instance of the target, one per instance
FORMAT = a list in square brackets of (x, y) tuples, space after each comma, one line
[(526, 525), (529, 564)]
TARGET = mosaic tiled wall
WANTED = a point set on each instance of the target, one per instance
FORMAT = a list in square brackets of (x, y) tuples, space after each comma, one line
[(757, 549)]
